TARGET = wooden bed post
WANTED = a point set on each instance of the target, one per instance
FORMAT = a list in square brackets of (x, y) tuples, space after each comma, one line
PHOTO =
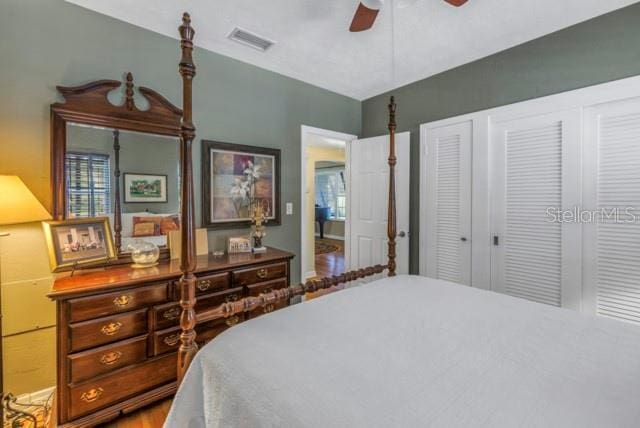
[(117, 211), (391, 213), (188, 347)]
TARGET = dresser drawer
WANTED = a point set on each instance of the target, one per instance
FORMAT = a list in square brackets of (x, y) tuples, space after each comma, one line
[(210, 283), (259, 274), (85, 308), (265, 287), (122, 384), (88, 364), (169, 340), (89, 334), (168, 315)]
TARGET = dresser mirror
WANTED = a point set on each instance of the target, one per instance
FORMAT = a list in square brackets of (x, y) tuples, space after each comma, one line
[(111, 158), (111, 172)]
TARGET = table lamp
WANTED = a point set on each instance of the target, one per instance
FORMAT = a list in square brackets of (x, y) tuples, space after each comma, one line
[(17, 205)]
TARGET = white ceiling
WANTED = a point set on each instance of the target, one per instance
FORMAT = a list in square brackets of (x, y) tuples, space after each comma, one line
[(313, 43)]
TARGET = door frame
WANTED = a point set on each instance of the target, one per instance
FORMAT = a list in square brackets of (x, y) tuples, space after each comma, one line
[(305, 133)]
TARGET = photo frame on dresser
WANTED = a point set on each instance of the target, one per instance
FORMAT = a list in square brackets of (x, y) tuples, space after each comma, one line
[(78, 242), (234, 178)]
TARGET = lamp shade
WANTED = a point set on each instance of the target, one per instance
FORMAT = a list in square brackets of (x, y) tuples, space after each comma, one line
[(17, 203)]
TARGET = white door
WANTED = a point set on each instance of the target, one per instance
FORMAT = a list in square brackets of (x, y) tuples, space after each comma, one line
[(536, 177), (369, 193), (612, 190), (447, 163)]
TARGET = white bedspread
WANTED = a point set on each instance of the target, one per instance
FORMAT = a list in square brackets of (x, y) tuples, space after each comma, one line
[(412, 351)]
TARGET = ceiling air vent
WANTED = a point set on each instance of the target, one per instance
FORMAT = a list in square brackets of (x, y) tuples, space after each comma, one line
[(250, 39)]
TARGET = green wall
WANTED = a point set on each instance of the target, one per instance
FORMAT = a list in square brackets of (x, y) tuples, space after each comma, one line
[(600, 50), (44, 43)]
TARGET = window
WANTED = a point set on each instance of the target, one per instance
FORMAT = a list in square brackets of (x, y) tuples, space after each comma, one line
[(331, 191), (88, 184)]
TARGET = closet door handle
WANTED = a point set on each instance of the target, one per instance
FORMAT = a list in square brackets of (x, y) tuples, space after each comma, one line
[(463, 239), (402, 234)]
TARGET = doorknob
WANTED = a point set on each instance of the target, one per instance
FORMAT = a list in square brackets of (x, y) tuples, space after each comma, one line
[(463, 239), (402, 234)]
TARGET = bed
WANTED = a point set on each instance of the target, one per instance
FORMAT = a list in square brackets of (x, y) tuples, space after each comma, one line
[(398, 351), (413, 351)]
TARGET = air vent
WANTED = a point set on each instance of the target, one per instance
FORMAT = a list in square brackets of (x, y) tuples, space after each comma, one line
[(250, 39)]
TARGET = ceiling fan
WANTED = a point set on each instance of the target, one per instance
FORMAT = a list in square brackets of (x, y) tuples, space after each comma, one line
[(367, 12)]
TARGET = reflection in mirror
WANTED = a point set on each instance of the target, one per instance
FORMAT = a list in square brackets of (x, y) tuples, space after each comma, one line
[(130, 177)]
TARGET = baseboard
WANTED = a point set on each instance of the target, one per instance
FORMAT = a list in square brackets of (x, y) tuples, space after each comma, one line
[(336, 237), (310, 274)]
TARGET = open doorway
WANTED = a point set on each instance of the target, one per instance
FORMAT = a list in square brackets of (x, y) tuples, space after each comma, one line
[(325, 187)]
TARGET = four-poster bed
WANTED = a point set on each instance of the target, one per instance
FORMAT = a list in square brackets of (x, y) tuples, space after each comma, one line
[(401, 351)]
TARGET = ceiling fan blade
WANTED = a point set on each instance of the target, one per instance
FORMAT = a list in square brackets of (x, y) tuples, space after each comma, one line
[(363, 19), (456, 3)]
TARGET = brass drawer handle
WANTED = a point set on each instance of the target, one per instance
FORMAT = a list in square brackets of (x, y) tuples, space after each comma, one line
[(91, 395), (111, 328), (122, 301), (232, 321), (204, 285), (171, 314), (110, 358), (172, 340), (262, 273), (269, 308), (231, 298)]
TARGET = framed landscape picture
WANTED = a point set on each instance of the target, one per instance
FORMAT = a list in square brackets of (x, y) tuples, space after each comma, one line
[(233, 178), (145, 188), (78, 242)]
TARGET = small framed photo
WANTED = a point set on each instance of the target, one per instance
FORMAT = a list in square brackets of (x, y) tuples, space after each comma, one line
[(239, 244), (78, 242), (145, 188)]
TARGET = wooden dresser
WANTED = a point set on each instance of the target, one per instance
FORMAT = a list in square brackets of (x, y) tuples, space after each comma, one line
[(118, 328)]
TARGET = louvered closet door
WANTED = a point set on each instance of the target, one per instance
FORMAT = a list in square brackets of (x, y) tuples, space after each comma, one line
[(536, 169), (612, 189), (448, 194)]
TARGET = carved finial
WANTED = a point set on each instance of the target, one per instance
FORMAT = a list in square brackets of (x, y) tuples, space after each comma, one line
[(187, 67), (129, 92), (392, 114)]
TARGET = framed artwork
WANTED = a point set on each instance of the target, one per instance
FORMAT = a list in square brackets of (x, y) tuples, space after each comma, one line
[(78, 242), (144, 188), (233, 178)]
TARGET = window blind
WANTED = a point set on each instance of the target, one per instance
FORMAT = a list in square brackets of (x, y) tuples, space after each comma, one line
[(331, 191), (88, 184)]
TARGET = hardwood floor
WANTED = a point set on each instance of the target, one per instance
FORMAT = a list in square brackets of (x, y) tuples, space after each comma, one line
[(332, 263), (150, 417), (328, 264)]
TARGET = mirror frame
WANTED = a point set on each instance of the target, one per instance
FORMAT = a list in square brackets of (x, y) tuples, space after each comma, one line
[(88, 104)]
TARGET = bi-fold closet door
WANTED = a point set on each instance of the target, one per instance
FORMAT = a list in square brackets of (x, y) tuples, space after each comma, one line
[(447, 205), (535, 176), (555, 185), (611, 251)]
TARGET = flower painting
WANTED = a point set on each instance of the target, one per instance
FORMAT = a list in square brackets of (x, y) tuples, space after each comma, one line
[(236, 178)]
